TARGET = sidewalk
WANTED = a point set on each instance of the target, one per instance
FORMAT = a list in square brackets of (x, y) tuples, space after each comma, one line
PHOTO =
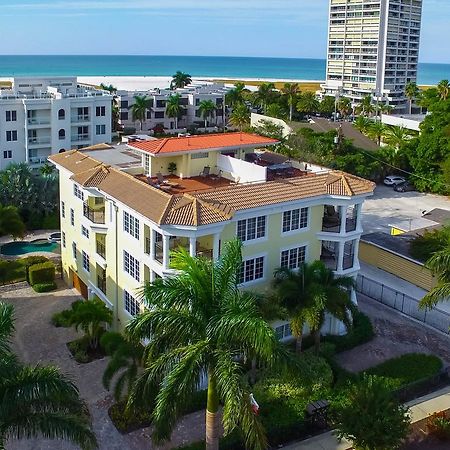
[(420, 408)]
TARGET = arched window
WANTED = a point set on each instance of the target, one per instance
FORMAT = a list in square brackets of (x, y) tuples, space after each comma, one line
[(62, 134), (61, 114), (62, 151)]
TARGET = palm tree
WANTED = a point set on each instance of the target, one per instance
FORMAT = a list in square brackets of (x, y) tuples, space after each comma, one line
[(10, 222), (201, 324), (265, 94), (206, 109), (139, 109), (362, 124), (308, 103), (180, 80), (38, 401), (386, 109), (439, 264), (240, 116), (309, 293), (291, 91), (174, 108), (275, 110), (376, 131), (396, 136), (235, 96), (443, 88), (411, 92), (345, 106), (366, 105)]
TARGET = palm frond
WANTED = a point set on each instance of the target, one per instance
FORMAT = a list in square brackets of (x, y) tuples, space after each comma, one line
[(438, 294), (6, 326)]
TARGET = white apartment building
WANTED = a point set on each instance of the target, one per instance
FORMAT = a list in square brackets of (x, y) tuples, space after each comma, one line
[(43, 116), (191, 97), (373, 49)]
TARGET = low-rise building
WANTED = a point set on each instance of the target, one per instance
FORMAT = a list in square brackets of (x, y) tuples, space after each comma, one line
[(119, 224), (157, 116), (42, 116), (409, 121)]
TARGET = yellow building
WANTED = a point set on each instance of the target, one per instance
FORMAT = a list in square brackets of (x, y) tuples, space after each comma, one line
[(118, 228)]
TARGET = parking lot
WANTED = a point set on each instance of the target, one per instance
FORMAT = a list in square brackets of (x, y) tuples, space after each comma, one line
[(387, 206)]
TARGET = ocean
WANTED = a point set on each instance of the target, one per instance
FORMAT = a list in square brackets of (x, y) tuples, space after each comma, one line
[(197, 66)]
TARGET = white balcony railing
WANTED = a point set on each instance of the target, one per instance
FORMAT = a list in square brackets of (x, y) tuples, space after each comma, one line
[(38, 121), (80, 118), (80, 137), (37, 160), (39, 140)]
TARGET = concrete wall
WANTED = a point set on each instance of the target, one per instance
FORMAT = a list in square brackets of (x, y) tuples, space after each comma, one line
[(241, 171), (258, 119), (402, 121)]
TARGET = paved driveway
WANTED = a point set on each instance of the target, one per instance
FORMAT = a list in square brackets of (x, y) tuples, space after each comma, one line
[(387, 206), (37, 341)]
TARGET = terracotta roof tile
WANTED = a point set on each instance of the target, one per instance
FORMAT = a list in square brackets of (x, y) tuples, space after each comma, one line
[(204, 142)]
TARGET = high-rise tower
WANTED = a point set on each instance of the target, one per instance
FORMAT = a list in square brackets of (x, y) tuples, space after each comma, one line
[(373, 49)]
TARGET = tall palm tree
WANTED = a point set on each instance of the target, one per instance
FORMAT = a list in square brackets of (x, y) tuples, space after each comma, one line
[(439, 264), (174, 108), (180, 80), (38, 401), (386, 109), (411, 92), (309, 293), (291, 91), (443, 88), (10, 222), (139, 109), (275, 110), (308, 103), (201, 324), (345, 106), (240, 116), (396, 136), (265, 94), (366, 106), (376, 131), (206, 109), (362, 124), (235, 95)]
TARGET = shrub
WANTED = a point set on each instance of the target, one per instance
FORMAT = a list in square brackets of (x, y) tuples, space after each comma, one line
[(62, 319), (438, 424), (407, 369), (29, 261), (44, 287), (111, 341), (11, 272), (42, 273)]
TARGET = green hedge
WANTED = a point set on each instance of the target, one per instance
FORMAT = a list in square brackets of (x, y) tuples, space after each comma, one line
[(31, 261), (44, 287), (42, 273)]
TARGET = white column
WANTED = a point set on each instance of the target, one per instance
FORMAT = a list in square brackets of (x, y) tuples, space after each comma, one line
[(166, 250), (340, 263), (152, 244), (343, 214), (193, 246), (356, 253), (358, 216), (216, 244)]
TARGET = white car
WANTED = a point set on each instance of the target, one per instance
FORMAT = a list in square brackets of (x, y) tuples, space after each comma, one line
[(393, 180)]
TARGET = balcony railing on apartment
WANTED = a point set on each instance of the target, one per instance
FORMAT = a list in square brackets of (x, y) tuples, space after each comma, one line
[(34, 121), (80, 118), (80, 137), (94, 215), (40, 140), (101, 283), (37, 160), (101, 249), (333, 224)]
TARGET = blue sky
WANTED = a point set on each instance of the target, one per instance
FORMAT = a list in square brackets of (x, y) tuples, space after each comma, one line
[(284, 28)]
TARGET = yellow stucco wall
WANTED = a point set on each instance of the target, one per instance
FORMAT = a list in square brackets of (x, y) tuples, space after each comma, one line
[(401, 267)]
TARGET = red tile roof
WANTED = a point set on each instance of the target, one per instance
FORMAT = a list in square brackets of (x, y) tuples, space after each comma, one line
[(202, 142)]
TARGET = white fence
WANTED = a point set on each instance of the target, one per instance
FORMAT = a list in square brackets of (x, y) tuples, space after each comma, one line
[(241, 171)]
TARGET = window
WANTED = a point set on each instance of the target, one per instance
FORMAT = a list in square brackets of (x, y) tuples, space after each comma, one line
[(100, 111), (123, 115), (283, 331), (200, 155), (249, 229), (62, 134), (131, 265), (11, 135), (100, 129), (78, 192), (124, 104), (72, 217), (293, 258), (131, 225), (295, 219), (11, 116), (63, 235), (83, 112), (61, 114), (159, 114), (84, 231), (86, 266), (63, 210), (132, 306), (252, 269), (74, 250), (7, 154), (147, 164)]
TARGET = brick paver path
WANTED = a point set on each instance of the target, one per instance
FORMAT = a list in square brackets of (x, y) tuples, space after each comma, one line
[(37, 341)]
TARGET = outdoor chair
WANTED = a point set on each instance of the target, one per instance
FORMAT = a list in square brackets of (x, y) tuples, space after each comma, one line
[(161, 179), (205, 172)]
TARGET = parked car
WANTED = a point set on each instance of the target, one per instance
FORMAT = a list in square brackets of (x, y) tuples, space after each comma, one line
[(404, 187), (393, 180)]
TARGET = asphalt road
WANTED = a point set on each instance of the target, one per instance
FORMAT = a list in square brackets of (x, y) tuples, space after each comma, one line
[(387, 206)]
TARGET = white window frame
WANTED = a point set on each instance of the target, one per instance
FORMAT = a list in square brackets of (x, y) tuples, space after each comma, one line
[(72, 217), (299, 229), (100, 111), (78, 192), (7, 154), (85, 261), (63, 239), (134, 306), (85, 231), (131, 225), (74, 250), (63, 210), (289, 249), (247, 228), (284, 327), (131, 266), (100, 130), (264, 269)]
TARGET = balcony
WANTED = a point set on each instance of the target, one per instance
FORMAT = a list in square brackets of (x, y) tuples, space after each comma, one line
[(37, 160), (34, 140), (80, 137), (80, 118), (38, 121), (101, 249), (96, 215)]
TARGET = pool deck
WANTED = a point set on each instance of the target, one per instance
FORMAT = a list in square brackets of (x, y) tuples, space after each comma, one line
[(34, 235)]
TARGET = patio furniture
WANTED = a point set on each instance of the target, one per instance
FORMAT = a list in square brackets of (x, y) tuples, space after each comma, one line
[(163, 181), (205, 172), (317, 413)]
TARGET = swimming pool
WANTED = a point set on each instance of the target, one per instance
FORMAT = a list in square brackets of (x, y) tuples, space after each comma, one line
[(23, 247)]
